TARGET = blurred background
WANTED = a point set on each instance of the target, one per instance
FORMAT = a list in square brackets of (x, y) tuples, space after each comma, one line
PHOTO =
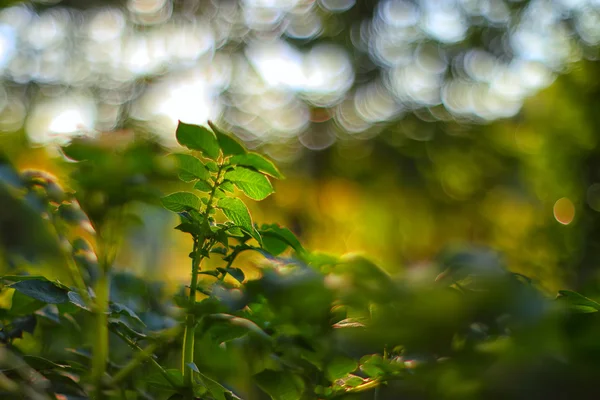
[(403, 126)]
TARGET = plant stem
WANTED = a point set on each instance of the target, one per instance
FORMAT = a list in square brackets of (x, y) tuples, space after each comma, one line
[(107, 255), (209, 205), (100, 355), (201, 247), (190, 320)]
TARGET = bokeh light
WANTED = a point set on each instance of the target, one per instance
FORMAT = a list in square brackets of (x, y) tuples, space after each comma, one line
[(564, 211), (477, 60)]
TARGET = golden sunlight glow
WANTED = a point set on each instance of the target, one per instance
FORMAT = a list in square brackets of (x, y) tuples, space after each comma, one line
[(564, 211)]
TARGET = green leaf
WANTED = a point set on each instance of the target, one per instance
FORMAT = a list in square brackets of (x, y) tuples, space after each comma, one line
[(203, 186), (42, 290), (19, 278), (244, 323), (186, 176), (374, 365), (208, 305), (273, 245), (229, 145), (120, 309), (222, 237), (339, 367), (193, 367), (214, 273), (212, 166), (199, 138), (280, 385), (23, 305), (218, 391), (237, 212), (192, 167), (181, 201), (258, 162), (236, 273), (158, 381), (254, 184), (189, 228), (41, 364), (276, 239), (227, 186), (66, 308), (353, 381), (235, 231), (75, 299), (18, 326), (577, 302)]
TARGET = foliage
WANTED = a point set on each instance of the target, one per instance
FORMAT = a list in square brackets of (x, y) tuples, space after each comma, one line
[(311, 325)]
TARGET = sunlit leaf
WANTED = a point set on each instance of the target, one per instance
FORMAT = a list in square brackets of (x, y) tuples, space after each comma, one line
[(352, 381), (181, 201), (235, 231), (199, 138), (577, 302), (277, 239), (227, 186), (237, 212), (212, 166), (258, 162), (202, 186), (228, 145), (191, 166), (255, 185)]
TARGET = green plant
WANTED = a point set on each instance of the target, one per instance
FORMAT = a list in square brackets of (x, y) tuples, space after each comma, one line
[(310, 326), (223, 164)]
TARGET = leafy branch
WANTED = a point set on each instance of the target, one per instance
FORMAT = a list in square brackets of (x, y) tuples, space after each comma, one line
[(219, 164)]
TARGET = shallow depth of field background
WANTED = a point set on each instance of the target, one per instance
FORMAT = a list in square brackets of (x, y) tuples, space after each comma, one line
[(404, 127)]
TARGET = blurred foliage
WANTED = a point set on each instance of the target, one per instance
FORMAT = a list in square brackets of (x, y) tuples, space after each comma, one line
[(309, 325), (305, 324), (462, 228)]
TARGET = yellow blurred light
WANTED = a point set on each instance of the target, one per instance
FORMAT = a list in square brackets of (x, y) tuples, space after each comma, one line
[(564, 211)]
